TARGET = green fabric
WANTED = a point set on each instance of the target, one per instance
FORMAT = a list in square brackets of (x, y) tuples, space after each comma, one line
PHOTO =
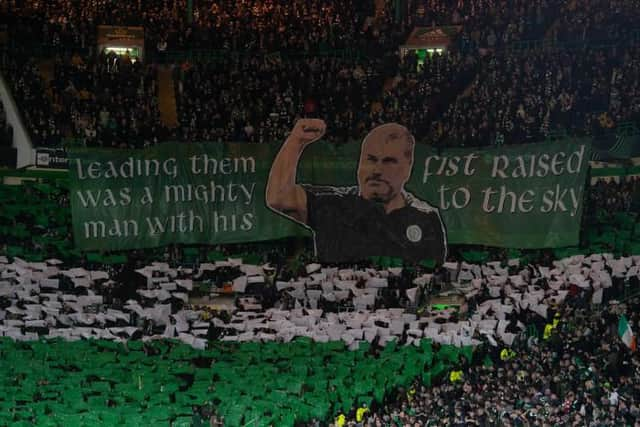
[(426, 378), (116, 208), (438, 369), (475, 256), (448, 353), (487, 361), (428, 263), (215, 256), (115, 259), (120, 217), (467, 351)]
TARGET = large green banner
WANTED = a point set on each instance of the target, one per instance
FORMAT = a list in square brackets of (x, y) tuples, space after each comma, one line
[(172, 193), (519, 196), (525, 196)]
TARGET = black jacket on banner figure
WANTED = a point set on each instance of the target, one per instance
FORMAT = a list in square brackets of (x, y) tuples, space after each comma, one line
[(378, 217)]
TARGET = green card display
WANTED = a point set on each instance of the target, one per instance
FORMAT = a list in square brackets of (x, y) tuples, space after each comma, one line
[(245, 383)]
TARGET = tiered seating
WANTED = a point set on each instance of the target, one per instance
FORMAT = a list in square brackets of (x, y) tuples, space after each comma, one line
[(548, 92)]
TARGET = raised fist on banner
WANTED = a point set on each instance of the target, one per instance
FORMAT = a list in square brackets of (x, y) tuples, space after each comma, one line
[(307, 131)]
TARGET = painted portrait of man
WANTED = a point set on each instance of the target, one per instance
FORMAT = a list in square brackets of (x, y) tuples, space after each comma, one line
[(376, 217)]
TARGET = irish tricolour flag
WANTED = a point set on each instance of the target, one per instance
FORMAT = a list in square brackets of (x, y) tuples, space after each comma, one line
[(626, 334)]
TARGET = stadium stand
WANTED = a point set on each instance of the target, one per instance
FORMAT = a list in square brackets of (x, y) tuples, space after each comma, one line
[(262, 333), (397, 89), (115, 303)]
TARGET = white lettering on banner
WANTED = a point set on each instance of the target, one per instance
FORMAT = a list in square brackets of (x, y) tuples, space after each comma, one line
[(133, 168), (130, 168), (555, 201), (190, 222), (533, 165), (111, 228), (558, 199), (106, 198), (513, 201), (206, 165), (448, 166), (175, 223), (212, 193), (460, 197), (539, 198)]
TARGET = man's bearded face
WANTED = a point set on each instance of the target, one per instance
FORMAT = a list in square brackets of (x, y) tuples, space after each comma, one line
[(385, 163)]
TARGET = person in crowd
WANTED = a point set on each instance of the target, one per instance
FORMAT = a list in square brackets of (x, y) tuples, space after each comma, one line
[(587, 378), (476, 92)]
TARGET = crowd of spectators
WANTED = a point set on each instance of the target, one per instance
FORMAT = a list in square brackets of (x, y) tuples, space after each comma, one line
[(624, 98), (597, 20), (612, 196), (522, 98), (474, 93), (603, 201), (487, 24), (418, 93), (580, 376), (29, 91), (259, 99), (100, 100), (107, 100), (577, 372), (79, 100), (171, 25), (514, 98), (61, 23), (286, 25)]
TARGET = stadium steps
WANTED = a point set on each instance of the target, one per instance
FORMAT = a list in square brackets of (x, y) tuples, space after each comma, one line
[(167, 97)]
